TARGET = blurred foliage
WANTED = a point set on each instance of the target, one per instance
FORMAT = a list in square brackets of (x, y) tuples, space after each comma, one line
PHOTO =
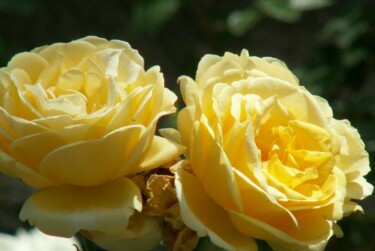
[(149, 16), (329, 44), (241, 21)]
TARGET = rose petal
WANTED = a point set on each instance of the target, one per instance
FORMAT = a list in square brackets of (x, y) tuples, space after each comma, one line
[(359, 188), (274, 68), (353, 160), (25, 150), (213, 167), (171, 134), (189, 90), (143, 233), (74, 52), (234, 140), (30, 62), (112, 60), (72, 79), (185, 120), (307, 110), (161, 152), (12, 167), (226, 71), (167, 104), (353, 156), (82, 167), (314, 138), (205, 63), (65, 210), (49, 76), (202, 214), (97, 41), (134, 109), (14, 127), (311, 229), (266, 209)]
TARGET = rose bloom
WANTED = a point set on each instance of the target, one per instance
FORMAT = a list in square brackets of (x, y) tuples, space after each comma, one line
[(265, 159), (77, 120)]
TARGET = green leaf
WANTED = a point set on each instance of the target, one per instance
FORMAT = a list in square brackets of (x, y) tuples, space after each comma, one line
[(279, 9), (241, 21)]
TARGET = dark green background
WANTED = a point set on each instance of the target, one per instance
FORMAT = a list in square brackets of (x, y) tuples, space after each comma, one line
[(330, 45)]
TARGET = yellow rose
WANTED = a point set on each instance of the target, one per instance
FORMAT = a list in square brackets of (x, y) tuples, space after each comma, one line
[(265, 159), (76, 119)]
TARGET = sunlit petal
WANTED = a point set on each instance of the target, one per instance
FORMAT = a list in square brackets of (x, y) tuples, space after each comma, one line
[(65, 210)]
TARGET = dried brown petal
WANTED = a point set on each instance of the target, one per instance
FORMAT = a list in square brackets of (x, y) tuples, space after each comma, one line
[(186, 240), (160, 194), (173, 217)]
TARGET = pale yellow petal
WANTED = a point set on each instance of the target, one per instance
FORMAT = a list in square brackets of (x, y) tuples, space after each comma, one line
[(267, 209), (32, 149), (15, 127), (113, 61), (81, 167), (161, 152), (353, 160), (130, 110), (94, 40), (202, 214), (307, 110), (353, 156), (72, 79), (167, 105), (274, 68), (13, 168), (72, 53), (359, 188), (205, 63), (185, 122), (65, 210), (171, 134), (212, 167), (189, 90), (51, 52), (30, 62), (313, 137), (233, 141), (312, 229), (324, 105), (17, 100), (227, 70), (143, 233), (50, 74)]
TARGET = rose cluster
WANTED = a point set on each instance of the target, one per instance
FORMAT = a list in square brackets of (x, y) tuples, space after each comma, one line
[(255, 155)]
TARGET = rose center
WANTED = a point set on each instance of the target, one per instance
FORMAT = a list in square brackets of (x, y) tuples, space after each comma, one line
[(297, 154)]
